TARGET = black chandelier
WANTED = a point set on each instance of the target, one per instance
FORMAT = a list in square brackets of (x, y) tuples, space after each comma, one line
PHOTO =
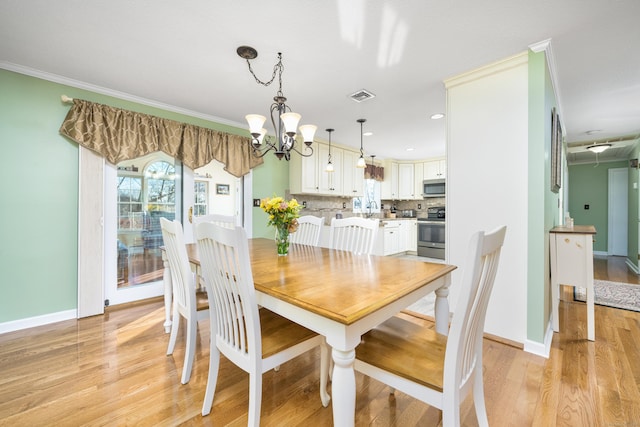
[(286, 123)]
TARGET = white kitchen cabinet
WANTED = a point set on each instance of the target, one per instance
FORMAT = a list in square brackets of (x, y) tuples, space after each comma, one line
[(352, 177), (406, 181), (391, 237), (389, 187), (412, 235), (435, 169), (303, 172), (330, 182), (418, 179)]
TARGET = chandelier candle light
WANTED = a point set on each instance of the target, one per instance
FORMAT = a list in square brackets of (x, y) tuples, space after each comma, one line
[(286, 123), (283, 215)]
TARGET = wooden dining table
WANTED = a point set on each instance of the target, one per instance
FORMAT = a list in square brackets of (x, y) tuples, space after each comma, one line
[(340, 295)]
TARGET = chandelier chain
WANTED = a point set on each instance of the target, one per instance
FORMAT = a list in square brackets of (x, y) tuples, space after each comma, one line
[(277, 69)]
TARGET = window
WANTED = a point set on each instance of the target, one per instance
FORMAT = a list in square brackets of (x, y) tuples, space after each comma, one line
[(370, 203), (129, 203), (161, 194), (201, 197)]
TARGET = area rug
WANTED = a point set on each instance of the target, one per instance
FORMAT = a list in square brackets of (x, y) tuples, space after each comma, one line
[(612, 294)]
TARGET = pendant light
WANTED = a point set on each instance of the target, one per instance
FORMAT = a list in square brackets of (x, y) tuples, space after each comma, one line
[(329, 167), (361, 161)]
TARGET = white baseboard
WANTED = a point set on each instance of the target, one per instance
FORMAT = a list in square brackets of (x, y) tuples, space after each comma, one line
[(600, 253), (31, 322), (632, 266), (541, 349)]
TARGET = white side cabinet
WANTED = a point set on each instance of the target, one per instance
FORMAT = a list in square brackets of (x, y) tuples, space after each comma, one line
[(571, 256)]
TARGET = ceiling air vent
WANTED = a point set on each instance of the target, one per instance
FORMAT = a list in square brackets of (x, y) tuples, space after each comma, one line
[(361, 95)]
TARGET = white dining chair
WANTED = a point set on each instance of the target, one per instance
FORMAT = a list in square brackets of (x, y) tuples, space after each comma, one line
[(187, 303), (255, 339), (228, 221), (354, 234), (309, 231), (437, 369)]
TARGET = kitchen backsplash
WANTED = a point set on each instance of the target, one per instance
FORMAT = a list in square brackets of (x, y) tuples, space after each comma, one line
[(327, 206)]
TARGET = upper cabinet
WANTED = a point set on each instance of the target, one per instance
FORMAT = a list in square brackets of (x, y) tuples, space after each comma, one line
[(389, 187), (308, 175), (406, 181), (303, 173), (330, 182), (402, 181), (352, 177), (435, 169)]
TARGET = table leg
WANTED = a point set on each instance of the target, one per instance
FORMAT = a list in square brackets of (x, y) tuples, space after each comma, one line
[(168, 293), (343, 388), (442, 310)]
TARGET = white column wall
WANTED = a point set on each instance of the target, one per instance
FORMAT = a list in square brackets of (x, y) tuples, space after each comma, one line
[(487, 138)]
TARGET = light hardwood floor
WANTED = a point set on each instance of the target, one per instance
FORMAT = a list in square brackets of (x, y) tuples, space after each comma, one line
[(112, 370)]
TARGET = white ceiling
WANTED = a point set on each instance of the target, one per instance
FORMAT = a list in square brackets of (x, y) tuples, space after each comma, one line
[(182, 55)]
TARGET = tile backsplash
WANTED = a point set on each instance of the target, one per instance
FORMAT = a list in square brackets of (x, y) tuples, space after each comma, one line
[(327, 206)]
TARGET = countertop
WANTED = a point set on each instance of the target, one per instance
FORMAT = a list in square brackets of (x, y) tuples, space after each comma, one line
[(576, 229)]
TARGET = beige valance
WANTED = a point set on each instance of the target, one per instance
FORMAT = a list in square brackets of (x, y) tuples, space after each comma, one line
[(374, 172), (120, 135)]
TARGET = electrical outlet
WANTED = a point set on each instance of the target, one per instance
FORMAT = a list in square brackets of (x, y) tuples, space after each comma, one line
[(344, 205), (304, 204), (419, 205), (256, 203), (586, 207)]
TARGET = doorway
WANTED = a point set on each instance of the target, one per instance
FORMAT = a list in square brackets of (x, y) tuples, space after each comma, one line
[(618, 212)]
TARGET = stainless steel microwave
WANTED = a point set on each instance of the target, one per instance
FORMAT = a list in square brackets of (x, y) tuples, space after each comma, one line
[(433, 188)]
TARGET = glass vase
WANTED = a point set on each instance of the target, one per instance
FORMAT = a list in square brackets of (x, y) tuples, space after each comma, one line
[(282, 239)]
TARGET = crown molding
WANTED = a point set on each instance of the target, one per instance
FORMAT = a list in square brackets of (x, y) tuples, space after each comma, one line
[(545, 46), (20, 69), (487, 70)]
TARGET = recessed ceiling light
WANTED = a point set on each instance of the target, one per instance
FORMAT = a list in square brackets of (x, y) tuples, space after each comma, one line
[(367, 134), (410, 149), (437, 116)]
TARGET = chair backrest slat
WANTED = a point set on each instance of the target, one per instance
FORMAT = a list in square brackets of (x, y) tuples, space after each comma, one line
[(228, 221), (309, 231), (176, 252), (226, 269), (464, 347), (354, 234)]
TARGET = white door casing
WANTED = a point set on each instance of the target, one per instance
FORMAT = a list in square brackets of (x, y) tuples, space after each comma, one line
[(618, 212)]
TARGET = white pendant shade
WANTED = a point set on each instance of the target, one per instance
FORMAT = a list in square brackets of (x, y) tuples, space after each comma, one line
[(256, 121), (263, 132), (308, 132), (290, 121), (329, 167), (361, 163), (598, 148)]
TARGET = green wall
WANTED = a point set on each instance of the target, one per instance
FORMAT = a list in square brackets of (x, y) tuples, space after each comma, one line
[(543, 203), (39, 201), (588, 184), (38, 259), (273, 179)]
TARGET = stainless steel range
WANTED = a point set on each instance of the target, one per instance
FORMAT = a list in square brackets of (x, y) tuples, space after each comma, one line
[(431, 233)]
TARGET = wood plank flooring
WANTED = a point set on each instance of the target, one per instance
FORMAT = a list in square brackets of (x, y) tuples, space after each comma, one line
[(112, 370)]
